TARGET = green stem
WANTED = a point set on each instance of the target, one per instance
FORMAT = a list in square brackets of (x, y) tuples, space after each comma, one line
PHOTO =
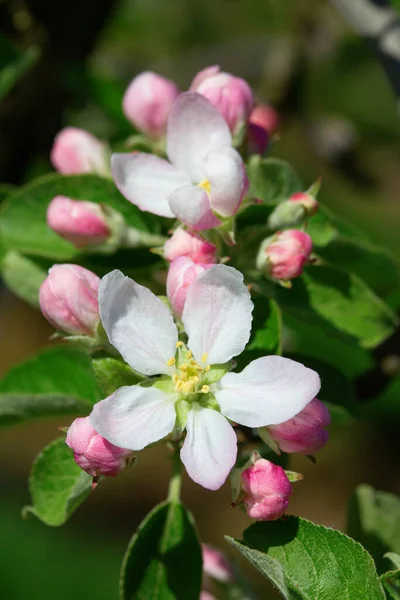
[(133, 238), (174, 491)]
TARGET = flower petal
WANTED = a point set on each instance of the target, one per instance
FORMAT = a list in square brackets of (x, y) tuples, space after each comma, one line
[(147, 181), (191, 205), (210, 447), (226, 174), (134, 417), (270, 390), (217, 315), (137, 323), (195, 128)]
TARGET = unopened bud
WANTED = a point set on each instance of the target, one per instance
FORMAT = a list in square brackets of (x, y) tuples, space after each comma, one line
[(191, 245), (93, 453), (295, 210), (147, 103), (263, 122), (266, 489), (181, 274), (68, 299), (230, 95), (283, 255), (77, 151), (216, 565), (306, 432)]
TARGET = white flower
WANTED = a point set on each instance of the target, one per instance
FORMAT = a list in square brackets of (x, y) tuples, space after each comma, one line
[(205, 174), (194, 393)]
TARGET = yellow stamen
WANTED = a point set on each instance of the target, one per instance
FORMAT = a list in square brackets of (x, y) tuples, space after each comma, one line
[(205, 389), (171, 362), (204, 357), (189, 354), (207, 368), (206, 185), (179, 344)]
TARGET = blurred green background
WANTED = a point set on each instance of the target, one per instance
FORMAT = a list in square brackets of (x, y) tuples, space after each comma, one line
[(338, 121)]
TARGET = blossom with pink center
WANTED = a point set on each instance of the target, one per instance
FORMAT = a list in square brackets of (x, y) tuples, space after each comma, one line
[(80, 222), (196, 394), (262, 123), (93, 453), (231, 96), (181, 274), (267, 490), (68, 299), (216, 565), (186, 243), (147, 103), (283, 255), (77, 151), (305, 432), (204, 177)]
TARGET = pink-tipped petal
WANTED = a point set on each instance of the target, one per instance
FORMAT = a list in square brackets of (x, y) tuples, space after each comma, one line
[(181, 274), (270, 390), (147, 181), (195, 128), (202, 75), (191, 205), (210, 448), (191, 245), (226, 174)]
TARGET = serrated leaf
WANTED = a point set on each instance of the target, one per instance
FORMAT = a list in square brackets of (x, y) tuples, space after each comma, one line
[(374, 521), (391, 584), (163, 560), (310, 562), (23, 276), (57, 485), (272, 180), (113, 373), (23, 224), (58, 381)]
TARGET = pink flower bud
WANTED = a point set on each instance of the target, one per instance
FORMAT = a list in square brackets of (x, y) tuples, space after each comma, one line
[(204, 595), (81, 223), (181, 274), (184, 243), (283, 255), (216, 565), (231, 95), (307, 201), (267, 490), (147, 103), (306, 432), (68, 299), (92, 452), (78, 151), (263, 121)]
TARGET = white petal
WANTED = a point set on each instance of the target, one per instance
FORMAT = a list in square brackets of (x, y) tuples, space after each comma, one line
[(195, 128), (210, 447), (191, 205), (217, 315), (147, 181), (226, 174), (137, 323), (134, 417), (270, 390)]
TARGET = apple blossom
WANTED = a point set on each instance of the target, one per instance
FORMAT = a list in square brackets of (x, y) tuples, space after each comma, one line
[(266, 490), (68, 299), (283, 255), (77, 151), (181, 274), (93, 453), (204, 175), (80, 222), (305, 432), (185, 243), (147, 103), (195, 391), (231, 96)]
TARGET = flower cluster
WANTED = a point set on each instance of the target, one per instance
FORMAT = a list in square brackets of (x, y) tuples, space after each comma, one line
[(184, 348)]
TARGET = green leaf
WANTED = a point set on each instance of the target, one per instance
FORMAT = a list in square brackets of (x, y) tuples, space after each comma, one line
[(267, 326), (272, 180), (14, 64), (374, 521), (5, 189), (57, 485), (113, 373), (23, 276), (23, 224), (58, 381), (310, 562), (163, 560), (391, 584), (321, 228), (327, 295)]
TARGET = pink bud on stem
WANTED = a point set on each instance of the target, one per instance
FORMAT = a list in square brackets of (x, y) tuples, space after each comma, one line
[(191, 245), (77, 151), (283, 255), (181, 274)]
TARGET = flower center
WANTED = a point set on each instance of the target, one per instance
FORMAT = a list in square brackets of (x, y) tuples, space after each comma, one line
[(188, 372), (206, 185)]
